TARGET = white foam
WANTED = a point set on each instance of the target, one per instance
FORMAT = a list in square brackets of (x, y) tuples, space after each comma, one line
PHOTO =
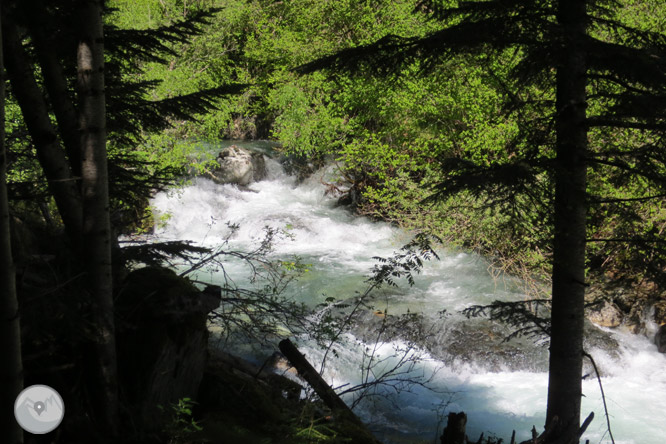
[(340, 248)]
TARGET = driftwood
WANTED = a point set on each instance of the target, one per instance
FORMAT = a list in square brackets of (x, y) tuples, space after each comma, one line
[(325, 392)]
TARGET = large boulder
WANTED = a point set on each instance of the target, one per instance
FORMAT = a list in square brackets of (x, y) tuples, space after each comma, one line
[(239, 166), (605, 314)]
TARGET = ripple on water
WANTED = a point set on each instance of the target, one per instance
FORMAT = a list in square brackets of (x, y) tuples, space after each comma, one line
[(501, 386)]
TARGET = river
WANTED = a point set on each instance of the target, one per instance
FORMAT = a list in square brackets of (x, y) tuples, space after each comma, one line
[(501, 386)]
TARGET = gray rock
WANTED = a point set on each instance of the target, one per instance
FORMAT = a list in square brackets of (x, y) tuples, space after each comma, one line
[(605, 314), (660, 339), (239, 166)]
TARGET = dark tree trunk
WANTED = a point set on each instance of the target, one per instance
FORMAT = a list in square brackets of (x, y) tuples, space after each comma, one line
[(58, 90), (358, 433), (36, 116), (96, 221), (454, 432), (312, 376), (566, 346), (11, 370)]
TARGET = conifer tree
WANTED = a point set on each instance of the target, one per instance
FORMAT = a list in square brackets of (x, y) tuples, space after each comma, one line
[(11, 375), (65, 66), (97, 236), (590, 61)]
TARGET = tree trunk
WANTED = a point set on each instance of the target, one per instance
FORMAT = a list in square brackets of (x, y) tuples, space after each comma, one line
[(312, 376), (57, 88), (96, 220), (36, 116), (355, 428), (454, 432), (11, 371), (566, 344)]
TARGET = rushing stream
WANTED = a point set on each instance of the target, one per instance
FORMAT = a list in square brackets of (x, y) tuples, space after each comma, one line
[(501, 387)]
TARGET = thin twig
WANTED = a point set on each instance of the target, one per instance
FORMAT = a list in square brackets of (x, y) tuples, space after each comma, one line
[(603, 396)]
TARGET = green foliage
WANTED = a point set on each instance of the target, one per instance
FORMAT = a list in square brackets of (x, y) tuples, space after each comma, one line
[(305, 124), (388, 137), (391, 136), (182, 424), (310, 427)]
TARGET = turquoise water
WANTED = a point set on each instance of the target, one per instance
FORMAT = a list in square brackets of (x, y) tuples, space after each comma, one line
[(500, 386)]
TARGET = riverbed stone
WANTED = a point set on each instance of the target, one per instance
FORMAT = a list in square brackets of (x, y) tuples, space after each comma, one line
[(660, 339), (605, 314), (239, 166), (660, 312)]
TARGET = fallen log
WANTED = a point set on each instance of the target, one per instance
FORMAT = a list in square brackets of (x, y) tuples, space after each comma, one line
[(325, 392)]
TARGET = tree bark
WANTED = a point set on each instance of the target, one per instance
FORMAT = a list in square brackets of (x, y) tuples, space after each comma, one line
[(454, 432), (308, 372), (326, 393), (568, 277), (96, 220), (57, 88), (36, 116), (11, 371)]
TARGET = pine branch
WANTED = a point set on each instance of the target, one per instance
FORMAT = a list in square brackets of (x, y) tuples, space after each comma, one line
[(158, 253), (153, 45), (599, 200), (463, 175), (633, 240), (495, 27), (645, 66), (523, 316), (131, 114), (649, 168)]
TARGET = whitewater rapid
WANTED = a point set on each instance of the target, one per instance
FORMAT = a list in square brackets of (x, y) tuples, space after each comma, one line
[(500, 387)]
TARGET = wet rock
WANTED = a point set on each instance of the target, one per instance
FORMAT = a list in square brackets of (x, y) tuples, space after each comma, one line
[(455, 340), (605, 314), (300, 165), (279, 364), (484, 343), (660, 339), (660, 312), (239, 166), (635, 321), (599, 339), (351, 198)]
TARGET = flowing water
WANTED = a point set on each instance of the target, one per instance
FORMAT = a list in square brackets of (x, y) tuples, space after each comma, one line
[(501, 386)]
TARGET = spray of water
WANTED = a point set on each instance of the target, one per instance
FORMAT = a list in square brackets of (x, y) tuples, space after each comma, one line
[(502, 387)]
